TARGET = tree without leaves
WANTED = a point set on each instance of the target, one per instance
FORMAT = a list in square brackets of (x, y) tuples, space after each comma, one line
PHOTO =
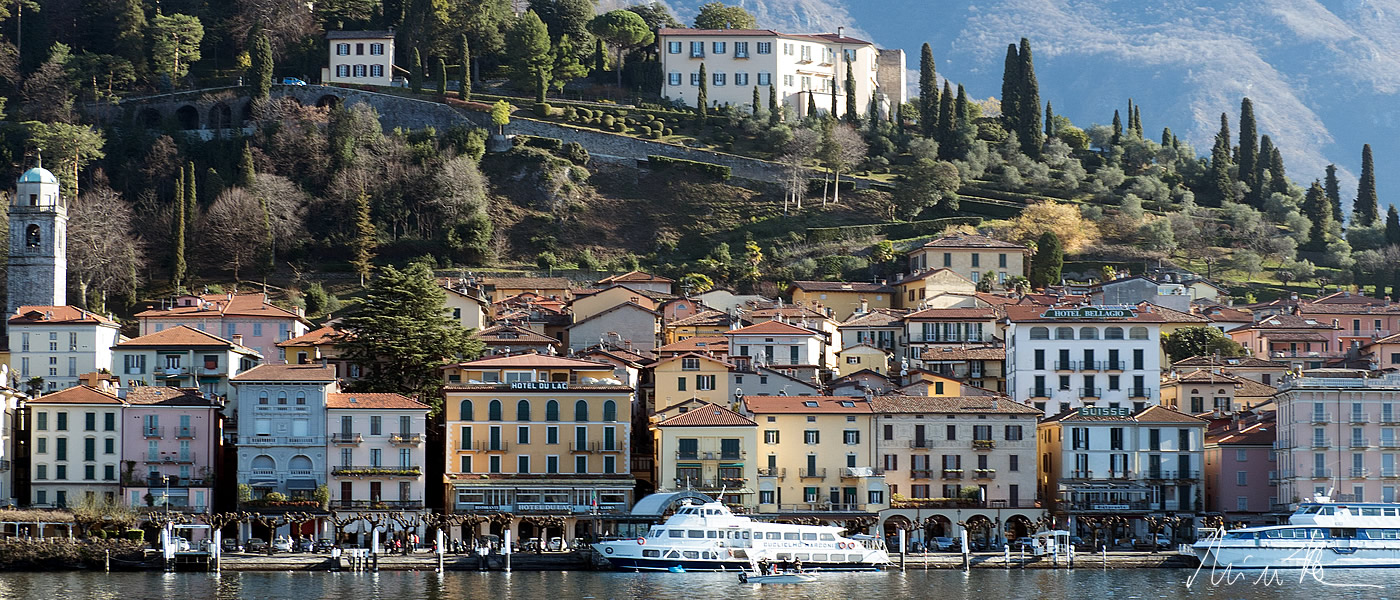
[(1367, 205), (104, 252), (928, 93), (796, 154), (235, 231), (717, 15), (402, 333), (621, 29)]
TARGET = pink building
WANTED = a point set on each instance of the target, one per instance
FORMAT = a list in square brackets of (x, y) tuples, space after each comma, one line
[(252, 316), (171, 448), (1338, 433), (1301, 342), (1241, 469)]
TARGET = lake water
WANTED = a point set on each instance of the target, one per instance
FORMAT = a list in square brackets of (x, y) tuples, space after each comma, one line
[(982, 584)]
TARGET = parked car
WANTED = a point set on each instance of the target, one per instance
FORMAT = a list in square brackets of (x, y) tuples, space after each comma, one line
[(1022, 543), (282, 544), (323, 545), (231, 545), (306, 545), (292, 81), (556, 544), (1163, 541), (943, 544), (255, 545)]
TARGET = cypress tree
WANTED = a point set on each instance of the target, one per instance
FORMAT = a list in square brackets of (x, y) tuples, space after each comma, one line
[(1048, 260), (177, 260), (852, 114), (947, 120), (1117, 128), (441, 77), (702, 98), (963, 130), (1220, 163), (415, 76), (1392, 226), (1367, 205), (1011, 90), (260, 64), (1249, 153), (1333, 189), (191, 205), (1278, 179), (833, 114), (928, 93), (1029, 99), (246, 171), (1137, 121), (364, 240), (1166, 137), (775, 114), (1261, 167), (213, 185), (1049, 121), (464, 87), (756, 104), (811, 104), (600, 58), (1319, 211)]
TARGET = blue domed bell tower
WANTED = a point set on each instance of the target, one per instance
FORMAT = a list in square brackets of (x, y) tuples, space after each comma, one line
[(38, 267)]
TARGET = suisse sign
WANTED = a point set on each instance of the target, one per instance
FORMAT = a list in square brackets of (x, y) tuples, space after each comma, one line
[(539, 385), (1104, 411), (1088, 312)]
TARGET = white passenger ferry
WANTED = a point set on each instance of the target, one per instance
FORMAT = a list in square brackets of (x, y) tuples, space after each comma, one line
[(708, 537), (1319, 534)]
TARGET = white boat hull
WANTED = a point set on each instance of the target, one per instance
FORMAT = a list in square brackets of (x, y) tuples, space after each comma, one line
[(780, 578), (1297, 556)]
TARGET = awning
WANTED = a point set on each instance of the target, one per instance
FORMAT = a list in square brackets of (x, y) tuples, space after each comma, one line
[(263, 484), (731, 465), (301, 484)]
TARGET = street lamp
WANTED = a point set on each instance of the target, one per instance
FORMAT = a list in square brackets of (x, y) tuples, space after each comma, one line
[(166, 498)]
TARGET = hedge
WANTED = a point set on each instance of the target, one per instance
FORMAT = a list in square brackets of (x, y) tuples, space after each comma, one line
[(893, 230), (547, 143), (663, 163)]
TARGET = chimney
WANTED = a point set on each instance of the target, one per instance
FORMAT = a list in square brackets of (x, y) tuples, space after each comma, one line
[(238, 339), (864, 306)]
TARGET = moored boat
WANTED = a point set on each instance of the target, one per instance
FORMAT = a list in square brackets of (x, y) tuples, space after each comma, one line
[(1320, 533)]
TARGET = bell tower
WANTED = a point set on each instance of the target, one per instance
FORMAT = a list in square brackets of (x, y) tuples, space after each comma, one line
[(38, 267)]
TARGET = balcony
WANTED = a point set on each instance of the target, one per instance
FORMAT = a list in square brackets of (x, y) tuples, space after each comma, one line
[(1322, 473), (375, 471), (275, 440), (774, 472), (301, 472), (153, 433), (861, 472), (951, 338), (1360, 442), (984, 444), (169, 457), (160, 482), (1140, 392), (834, 507), (379, 504), (597, 447), (1066, 365), (1091, 392), (1120, 474), (1321, 442), (952, 473), (703, 455), (4, 465), (921, 474), (1077, 474), (1360, 472), (184, 432), (697, 54), (347, 439), (1321, 417), (1283, 445), (723, 483), (1091, 365), (1164, 475), (1389, 418), (1040, 392), (1107, 506), (921, 444), (486, 446), (1390, 473), (172, 372), (1390, 443), (1358, 418), (984, 474), (1114, 365), (812, 473), (406, 439)]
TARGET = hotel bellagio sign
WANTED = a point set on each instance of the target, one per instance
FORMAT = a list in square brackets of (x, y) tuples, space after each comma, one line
[(1089, 312)]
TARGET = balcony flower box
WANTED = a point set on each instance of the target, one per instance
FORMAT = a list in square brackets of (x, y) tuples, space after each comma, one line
[(984, 444)]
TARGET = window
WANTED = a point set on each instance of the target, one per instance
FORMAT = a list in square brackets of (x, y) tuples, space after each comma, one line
[(1137, 333), (770, 436), (717, 47), (522, 410), (705, 382), (976, 260), (810, 436), (493, 410), (376, 49), (551, 411), (342, 49), (90, 421), (522, 434), (695, 78), (376, 70), (787, 80), (718, 79), (673, 78), (1040, 333), (765, 47), (359, 70), (852, 436), (62, 421), (741, 50), (741, 79), (359, 49), (551, 434), (581, 410), (765, 78), (697, 49), (610, 411), (522, 464), (1241, 478), (581, 464), (673, 47)]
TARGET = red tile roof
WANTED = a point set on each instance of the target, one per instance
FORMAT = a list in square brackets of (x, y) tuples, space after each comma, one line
[(635, 277), (969, 240), (1032, 313), (81, 394), (961, 314), (877, 317), (707, 415), (180, 335), (151, 395), (842, 286), (806, 404), (820, 37), (538, 361), (376, 401), (25, 315), (950, 404), (717, 343), (324, 336), (1152, 414), (771, 328), (512, 334), (957, 353), (234, 305), (287, 373)]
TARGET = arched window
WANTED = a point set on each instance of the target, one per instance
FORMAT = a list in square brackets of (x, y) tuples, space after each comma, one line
[(263, 461), (522, 410), (1113, 333), (1088, 333), (609, 411), (493, 410), (551, 411), (301, 398), (299, 463), (31, 236), (1137, 333), (1064, 333), (466, 412), (262, 398), (281, 397), (1040, 333), (581, 410)]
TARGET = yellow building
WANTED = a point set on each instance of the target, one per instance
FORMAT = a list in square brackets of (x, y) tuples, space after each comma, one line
[(319, 345), (537, 435), (919, 289), (708, 448), (709, 345), (862, 356), (815, 455), (843, 298), (691, 376), (971, 256), (706, 323), (585, 306), (500, 288), (1205, 391)]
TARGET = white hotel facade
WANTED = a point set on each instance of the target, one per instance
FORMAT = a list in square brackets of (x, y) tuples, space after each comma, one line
[(736, 60)]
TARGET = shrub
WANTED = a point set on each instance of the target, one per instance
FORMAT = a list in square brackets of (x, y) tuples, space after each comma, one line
[(570, 113), (550, 144), (542, 109), (669, 131), (609, 120), (135, 535), (585, 113), (663, 163), (575, 153), (655, 134)]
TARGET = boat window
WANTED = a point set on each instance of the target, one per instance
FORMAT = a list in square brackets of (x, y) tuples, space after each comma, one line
[(819, 557), (1328, 510), (744, 534), (697, 533), (784, 556), (1240, 535), (657, 532), (1390, 512), (792, 535), (712, 534), (1383, 534), (1317, 534), (673, 554), (1371, 511), (651, 553), (826, 537), (677, 533), (811, 537), (691, 554), (775, 535), (804, 557)]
